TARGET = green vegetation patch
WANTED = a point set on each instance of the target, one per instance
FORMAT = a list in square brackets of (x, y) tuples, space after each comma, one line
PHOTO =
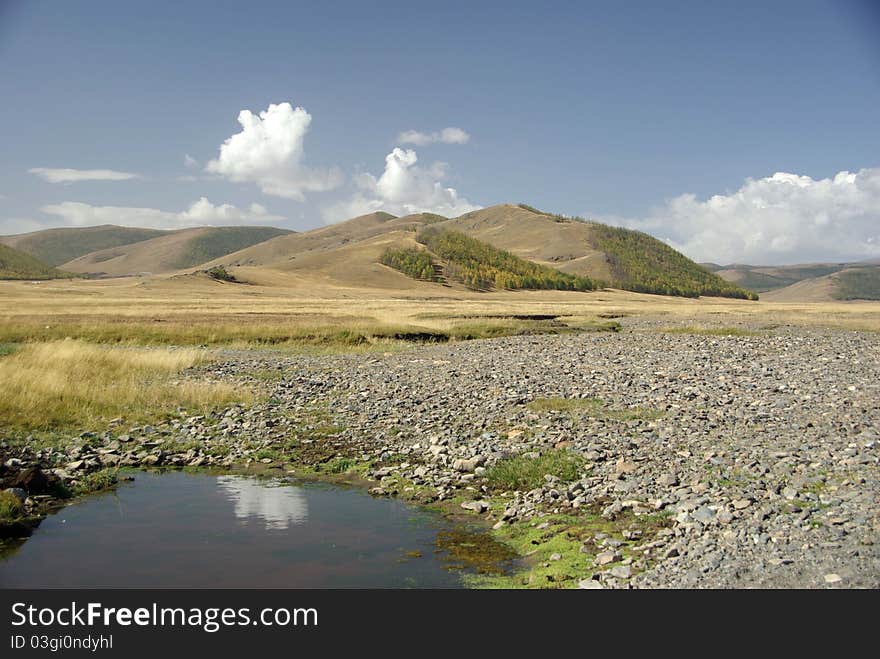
[(643, 264), (57, 246), (594, 408), (219, 273), (416, 263), (10, 507), (526, 473), (857, 284), (15, 264), (477, 551), (220, 241), (482, 267)]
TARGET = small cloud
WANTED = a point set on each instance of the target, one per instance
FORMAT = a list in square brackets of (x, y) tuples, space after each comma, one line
[(76, 175), (402, 189), (199, 213), (449, 135), (269, 152), (190, 162)]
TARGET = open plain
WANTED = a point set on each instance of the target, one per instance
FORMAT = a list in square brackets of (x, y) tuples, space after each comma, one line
[(611, 439)]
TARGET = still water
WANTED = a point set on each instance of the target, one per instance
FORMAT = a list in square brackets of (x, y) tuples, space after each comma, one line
[(186, 530)]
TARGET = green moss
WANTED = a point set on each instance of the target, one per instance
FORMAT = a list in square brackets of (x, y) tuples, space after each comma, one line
[(564, 404), (475, 551), (594, 408)]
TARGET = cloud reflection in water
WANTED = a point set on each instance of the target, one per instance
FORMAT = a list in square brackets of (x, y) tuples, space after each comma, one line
[(278, 506)]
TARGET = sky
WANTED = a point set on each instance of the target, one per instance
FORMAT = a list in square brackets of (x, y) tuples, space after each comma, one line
[(738, 132)]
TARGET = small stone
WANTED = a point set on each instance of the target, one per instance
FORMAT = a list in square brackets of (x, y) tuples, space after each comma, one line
[(555, 557), (469, 465), (789, 493), (742, 504), (621, 571), (590, 584), (667, 480), (624, 467), (476, 506), (833, 578), (703, 514), (607, 557)]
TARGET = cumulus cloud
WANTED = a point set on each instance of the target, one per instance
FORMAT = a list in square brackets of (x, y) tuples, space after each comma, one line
[(403, 188), (449, 135), (784, 218), (199, 213), (76, 175), (269, 152)]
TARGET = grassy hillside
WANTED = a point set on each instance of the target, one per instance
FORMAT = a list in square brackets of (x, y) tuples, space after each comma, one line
[(18, 265), (58, 246), (219, 241), (768, 278), (481, 266), (857, 284), (625, 259), (172, 251), (644, 264)]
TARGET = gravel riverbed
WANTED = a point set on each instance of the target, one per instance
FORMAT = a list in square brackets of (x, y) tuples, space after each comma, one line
[(760, 452)]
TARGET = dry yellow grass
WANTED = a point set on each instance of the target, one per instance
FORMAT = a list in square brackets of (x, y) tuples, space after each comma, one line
[(70, 383), (284, 308)]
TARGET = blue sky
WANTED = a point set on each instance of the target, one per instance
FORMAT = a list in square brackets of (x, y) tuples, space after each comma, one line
[(617, 111)]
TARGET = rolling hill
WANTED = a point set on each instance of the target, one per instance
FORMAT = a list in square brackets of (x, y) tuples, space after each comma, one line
[(806, 282), (350, 252), (170, 251), (622, 258), (57, 246), (15, 264), (857, 281)]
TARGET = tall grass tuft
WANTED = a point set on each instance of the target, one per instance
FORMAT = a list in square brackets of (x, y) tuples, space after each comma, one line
[(70, 383), (526, 473)]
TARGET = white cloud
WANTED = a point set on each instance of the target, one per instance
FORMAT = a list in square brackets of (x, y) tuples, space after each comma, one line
[(200, 213), (402, 189), (77, 175), (269, 152), (189, 162), (449, 135), (784, 218)]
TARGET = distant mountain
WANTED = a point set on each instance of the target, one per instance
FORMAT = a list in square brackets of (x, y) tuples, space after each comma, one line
[(172, 250), (808, 282), (15, 264), (855, 282), (57, 246)]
